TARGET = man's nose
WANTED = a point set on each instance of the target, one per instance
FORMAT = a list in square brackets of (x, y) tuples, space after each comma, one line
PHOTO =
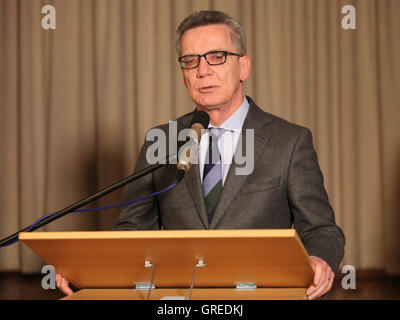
[(203, 68)]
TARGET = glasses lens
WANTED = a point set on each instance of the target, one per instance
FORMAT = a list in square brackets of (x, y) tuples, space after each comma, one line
[(189, 61), (216, 57)]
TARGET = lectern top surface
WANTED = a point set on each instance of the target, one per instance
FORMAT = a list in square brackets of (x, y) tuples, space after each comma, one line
[(116, 259)]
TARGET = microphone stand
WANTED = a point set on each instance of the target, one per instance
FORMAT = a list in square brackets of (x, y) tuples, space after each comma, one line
[(89, 199)]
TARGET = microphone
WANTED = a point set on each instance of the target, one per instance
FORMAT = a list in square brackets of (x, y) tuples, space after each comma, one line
[(200, 122)]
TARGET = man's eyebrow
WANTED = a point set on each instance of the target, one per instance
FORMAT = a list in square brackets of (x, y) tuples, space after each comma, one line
[(195, 54)]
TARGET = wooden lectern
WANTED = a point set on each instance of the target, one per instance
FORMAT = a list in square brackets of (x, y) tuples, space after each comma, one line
[(217, 264)]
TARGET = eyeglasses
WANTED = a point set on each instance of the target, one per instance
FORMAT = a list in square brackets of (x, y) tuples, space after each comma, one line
[(213, 58)]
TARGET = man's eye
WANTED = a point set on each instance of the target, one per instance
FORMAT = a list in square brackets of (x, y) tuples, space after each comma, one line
[(189, 60), (217, 56)]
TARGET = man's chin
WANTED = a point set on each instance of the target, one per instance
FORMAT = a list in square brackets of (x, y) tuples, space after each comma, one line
[(209, 104), (208, 107)]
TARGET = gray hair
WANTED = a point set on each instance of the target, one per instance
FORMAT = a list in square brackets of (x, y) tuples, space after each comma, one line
[(207, 17)]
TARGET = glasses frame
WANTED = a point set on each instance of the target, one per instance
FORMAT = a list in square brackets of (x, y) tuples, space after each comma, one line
[(199, 56)]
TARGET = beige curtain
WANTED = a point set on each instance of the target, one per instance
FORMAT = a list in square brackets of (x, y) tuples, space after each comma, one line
[(75, 104)]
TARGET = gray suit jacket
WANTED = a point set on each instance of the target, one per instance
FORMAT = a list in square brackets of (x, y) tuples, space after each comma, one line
[(285, 190)]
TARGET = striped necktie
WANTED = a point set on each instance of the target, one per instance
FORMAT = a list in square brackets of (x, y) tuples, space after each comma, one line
[(212, 176)]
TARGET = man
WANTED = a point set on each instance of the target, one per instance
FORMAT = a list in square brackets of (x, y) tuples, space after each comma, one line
[(285, 186)]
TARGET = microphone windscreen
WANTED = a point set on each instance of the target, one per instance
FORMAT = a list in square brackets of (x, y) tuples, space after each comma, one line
[(201, 117)]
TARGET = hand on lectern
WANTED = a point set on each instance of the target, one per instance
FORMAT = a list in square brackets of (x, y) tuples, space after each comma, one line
[(63, 285), (323, 279)]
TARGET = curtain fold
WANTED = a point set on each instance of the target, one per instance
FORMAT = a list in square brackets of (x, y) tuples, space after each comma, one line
[(77, 101)]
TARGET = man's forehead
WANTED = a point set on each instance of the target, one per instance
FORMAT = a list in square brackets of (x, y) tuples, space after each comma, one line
[(206, 38)]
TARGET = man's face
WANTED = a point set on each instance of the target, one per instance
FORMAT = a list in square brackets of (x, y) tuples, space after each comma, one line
[(212, 87)]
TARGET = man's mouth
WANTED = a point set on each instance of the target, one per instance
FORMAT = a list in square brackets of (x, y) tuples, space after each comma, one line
[(207, 89)]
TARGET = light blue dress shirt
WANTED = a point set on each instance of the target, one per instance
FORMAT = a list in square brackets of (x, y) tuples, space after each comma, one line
[(228, 140)]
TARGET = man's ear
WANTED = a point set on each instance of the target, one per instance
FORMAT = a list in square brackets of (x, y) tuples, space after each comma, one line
[(245, 66)]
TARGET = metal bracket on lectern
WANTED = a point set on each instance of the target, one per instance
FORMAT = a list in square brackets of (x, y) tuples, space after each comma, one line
[(145, 285), (246, 286), (200, 264)]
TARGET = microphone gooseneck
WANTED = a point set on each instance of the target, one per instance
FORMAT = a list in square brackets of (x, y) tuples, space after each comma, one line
[(199, 122)]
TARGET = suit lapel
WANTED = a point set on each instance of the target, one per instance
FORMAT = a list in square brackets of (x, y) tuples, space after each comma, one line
[(258, 120), (193, 183)]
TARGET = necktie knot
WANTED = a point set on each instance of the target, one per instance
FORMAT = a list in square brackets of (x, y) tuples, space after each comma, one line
[(216, 132)]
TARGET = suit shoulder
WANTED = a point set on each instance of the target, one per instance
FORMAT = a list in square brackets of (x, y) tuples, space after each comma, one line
[(281, 127), (288, 127), (260, 117)]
